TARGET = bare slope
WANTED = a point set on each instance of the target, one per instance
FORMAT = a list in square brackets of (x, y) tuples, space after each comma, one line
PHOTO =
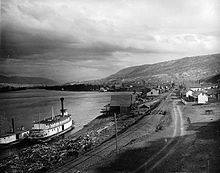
[(189, 68)]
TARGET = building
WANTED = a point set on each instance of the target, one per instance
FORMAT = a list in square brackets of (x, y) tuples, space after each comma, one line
[(121, 104), (194, 86), (118, 86), (213, 94), (209, 86), (153, 92), (194, 96), (218, 96), (202, 98), (189, 93), (102, 89)]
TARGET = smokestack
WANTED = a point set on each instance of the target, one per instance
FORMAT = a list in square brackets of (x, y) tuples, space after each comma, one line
[(13, 125), (62, 109)]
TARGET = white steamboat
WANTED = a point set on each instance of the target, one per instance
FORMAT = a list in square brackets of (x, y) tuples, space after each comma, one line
[(53, 126), (13, 137)]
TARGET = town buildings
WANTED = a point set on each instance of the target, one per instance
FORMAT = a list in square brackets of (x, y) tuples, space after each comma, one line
[(201, 94)]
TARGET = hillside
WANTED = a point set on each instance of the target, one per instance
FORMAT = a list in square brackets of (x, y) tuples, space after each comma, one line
[(188, 68), (212, 79), (26, 80)]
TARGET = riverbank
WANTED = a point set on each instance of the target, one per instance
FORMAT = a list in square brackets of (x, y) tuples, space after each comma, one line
[(31, 105), (46, 156), (104, 158)]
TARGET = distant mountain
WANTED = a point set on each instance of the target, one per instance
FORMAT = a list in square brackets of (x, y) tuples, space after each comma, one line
[(26, 80), (185, 69)]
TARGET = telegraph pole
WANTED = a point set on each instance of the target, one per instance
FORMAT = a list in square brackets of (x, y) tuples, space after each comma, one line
[(116, 135)]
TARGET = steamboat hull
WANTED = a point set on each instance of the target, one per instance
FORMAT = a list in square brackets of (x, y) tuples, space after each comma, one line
[(13, 139), (51, 133), (52, 127)]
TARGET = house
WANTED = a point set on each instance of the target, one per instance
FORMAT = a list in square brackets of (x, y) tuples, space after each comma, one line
[(153, 92), (102, 89), (195, 87), (209, 86), (122, 103), (218, 96), (202, 98), (189, 93), (118, 86), (213, 94), (210, 92), (194, 96)]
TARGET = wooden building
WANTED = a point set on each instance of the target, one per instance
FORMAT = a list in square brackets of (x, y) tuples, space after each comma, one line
[(202, 98), (121, 104), (153, 92)]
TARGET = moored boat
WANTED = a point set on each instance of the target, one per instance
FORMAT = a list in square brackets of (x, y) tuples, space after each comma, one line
[(13, 137), (52, 126)]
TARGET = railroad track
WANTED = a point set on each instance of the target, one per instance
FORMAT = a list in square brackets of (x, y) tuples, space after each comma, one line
[(168, 149), (110, 143)]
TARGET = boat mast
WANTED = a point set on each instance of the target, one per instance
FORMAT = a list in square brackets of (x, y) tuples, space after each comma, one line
[(52, 112), (13, 125), (4, 122), (39, 120)]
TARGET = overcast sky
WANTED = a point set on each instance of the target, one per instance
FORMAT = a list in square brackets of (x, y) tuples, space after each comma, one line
[(68, 40)]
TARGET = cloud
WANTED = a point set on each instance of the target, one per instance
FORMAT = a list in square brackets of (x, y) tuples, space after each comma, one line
[(89, 35)]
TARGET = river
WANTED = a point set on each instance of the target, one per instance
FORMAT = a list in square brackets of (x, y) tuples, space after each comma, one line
[(27, 106)]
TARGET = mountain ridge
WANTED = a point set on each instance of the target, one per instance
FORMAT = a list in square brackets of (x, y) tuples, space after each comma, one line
[(26, 80), (188, 68)]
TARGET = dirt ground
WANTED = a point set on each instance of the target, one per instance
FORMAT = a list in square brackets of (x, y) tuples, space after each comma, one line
[(187, 142), (199, 150)]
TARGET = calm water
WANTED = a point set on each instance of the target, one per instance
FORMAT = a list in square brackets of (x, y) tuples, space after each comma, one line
[(30, 105)]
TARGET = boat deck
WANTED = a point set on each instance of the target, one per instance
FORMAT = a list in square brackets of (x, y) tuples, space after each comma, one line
[(11, 133), (53, 120)]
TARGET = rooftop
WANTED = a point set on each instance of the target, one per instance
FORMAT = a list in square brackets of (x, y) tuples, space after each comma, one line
[(121, 100)]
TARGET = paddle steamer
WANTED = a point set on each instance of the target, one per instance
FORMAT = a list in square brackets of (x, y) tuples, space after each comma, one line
[(52, 126)]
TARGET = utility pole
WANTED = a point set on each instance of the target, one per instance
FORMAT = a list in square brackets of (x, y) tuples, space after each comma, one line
[(116, 135), (208, 164)]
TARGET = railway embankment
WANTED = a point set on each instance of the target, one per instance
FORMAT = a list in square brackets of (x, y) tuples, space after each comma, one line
[(47, 156), (134, 136)]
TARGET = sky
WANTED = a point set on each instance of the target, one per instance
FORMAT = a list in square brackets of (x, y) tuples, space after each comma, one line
[(77, 40)]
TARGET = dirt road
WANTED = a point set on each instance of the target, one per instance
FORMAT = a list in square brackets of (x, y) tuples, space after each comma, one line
[(171, 145)]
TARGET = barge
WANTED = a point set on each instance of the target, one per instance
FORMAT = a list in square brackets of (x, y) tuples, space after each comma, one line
[(52, 126)]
